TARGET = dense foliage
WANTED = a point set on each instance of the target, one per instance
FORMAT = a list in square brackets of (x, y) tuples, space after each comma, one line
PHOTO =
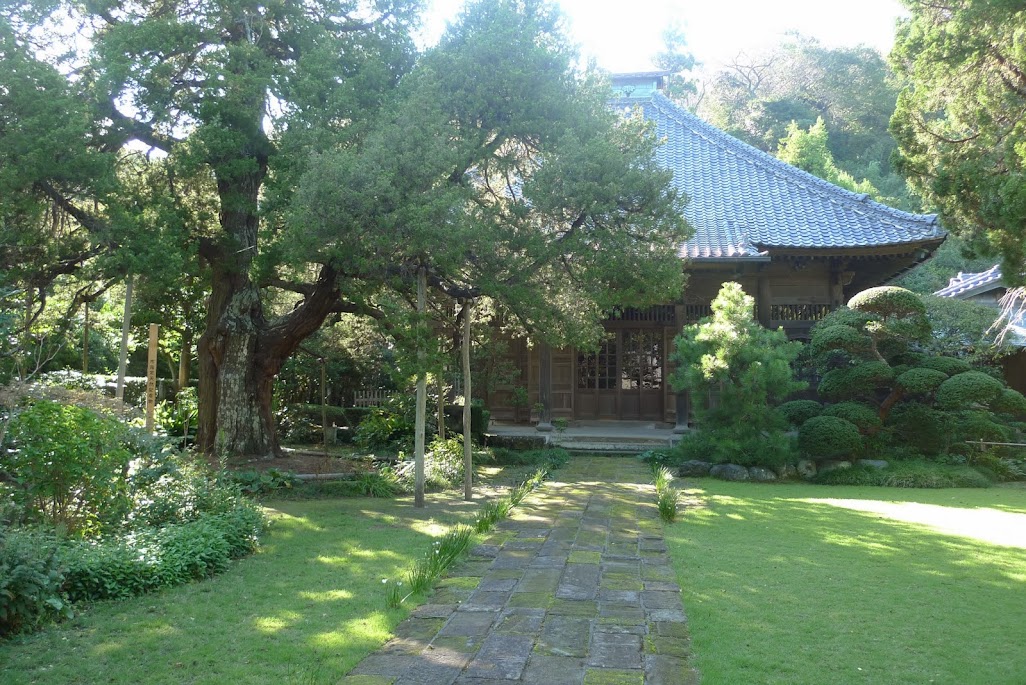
[(310, 163), (891, 392), (959, 122), (779, 95), (749, 369), (94, 509)]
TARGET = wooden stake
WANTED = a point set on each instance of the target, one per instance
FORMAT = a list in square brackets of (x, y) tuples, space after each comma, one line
[(468, 457), (325, 430), (126, 325), (151, 377), (85, 341), (418, 448)]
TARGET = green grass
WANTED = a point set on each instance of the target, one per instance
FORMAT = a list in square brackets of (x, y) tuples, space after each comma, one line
[(805, 584), (305, 609)]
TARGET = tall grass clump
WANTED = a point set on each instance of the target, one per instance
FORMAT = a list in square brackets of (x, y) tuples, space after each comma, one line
[(667, 496), (454, 543)]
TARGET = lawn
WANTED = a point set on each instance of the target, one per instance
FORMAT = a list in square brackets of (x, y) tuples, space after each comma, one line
[(816, 584), (304, 609)]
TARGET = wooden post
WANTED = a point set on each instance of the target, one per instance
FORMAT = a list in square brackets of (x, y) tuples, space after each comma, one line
[(765, 301), (126, 327), (441, 403), (545, 386), (325, 429), (85, 341), (151, 377), (468, 457), (418, 438)]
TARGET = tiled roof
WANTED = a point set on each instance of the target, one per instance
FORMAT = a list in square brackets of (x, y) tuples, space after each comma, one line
[(745, 203), (964, 285)]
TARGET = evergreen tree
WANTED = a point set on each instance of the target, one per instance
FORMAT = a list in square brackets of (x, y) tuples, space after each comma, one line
[(959, 121)]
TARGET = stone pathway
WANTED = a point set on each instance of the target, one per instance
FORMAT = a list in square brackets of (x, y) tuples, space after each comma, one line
[(575, 588)]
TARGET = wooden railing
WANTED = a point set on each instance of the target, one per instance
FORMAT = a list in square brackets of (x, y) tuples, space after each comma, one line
[(798, 312), (370, 398)]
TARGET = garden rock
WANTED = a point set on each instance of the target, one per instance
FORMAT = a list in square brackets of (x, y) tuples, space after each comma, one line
[(729, 472), (806, 468), (761, 474), (787, 472), (873, 463), (833, 465), (694, 468)]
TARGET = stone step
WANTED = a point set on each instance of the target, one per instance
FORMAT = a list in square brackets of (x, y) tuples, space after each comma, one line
[(620, 446)]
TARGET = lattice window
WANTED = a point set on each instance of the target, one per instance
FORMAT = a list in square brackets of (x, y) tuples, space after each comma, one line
[(642, 360), (598, 369)]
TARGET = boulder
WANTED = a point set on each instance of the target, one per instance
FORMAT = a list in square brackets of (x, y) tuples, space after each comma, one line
[(729, 472), (833, 465), (787, 472), (806, 468), (873, 463), (761, 474), (694, 468)]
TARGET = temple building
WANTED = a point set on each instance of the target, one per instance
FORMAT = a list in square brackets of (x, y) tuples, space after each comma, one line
[(799, 245)]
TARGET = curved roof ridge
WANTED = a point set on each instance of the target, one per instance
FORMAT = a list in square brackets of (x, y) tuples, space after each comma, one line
[(834, 193)]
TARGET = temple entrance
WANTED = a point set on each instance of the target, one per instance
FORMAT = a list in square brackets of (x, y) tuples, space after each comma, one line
[(624, 378)]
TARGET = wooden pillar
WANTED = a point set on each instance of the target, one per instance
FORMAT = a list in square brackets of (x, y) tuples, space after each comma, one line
[(545, 386), (683, 411), (765, 300)]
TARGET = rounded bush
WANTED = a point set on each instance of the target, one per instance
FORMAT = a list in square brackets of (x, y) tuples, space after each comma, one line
[(864, 417), (797, 412), (952, 366), (918, 427), (861, 380), (973, 426), (840, 337), (888, 300), (1009, 402), (968, 389), (827, 437), (921, 381)]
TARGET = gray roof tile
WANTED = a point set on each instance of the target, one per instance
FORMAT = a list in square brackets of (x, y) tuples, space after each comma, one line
[(964, 285), (744, 202)]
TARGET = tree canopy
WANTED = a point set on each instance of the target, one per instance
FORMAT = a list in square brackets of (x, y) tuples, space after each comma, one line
[(758, 97), (959, 121), (312, 161)]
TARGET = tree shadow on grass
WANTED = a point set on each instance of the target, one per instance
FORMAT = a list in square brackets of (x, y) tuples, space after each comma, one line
[(305, 609), (783, 588)]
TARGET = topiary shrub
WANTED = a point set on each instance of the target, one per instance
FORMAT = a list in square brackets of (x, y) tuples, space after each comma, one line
[(921, 381), (1009, 402), (861, 380), (974, 426), (828, 437), (840, 337), (952, 366), (918, 427), (969, 389), (864, 417), (797, 412), (896, 312)]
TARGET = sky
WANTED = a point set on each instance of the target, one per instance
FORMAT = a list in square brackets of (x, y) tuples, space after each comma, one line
[(623, 36)]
